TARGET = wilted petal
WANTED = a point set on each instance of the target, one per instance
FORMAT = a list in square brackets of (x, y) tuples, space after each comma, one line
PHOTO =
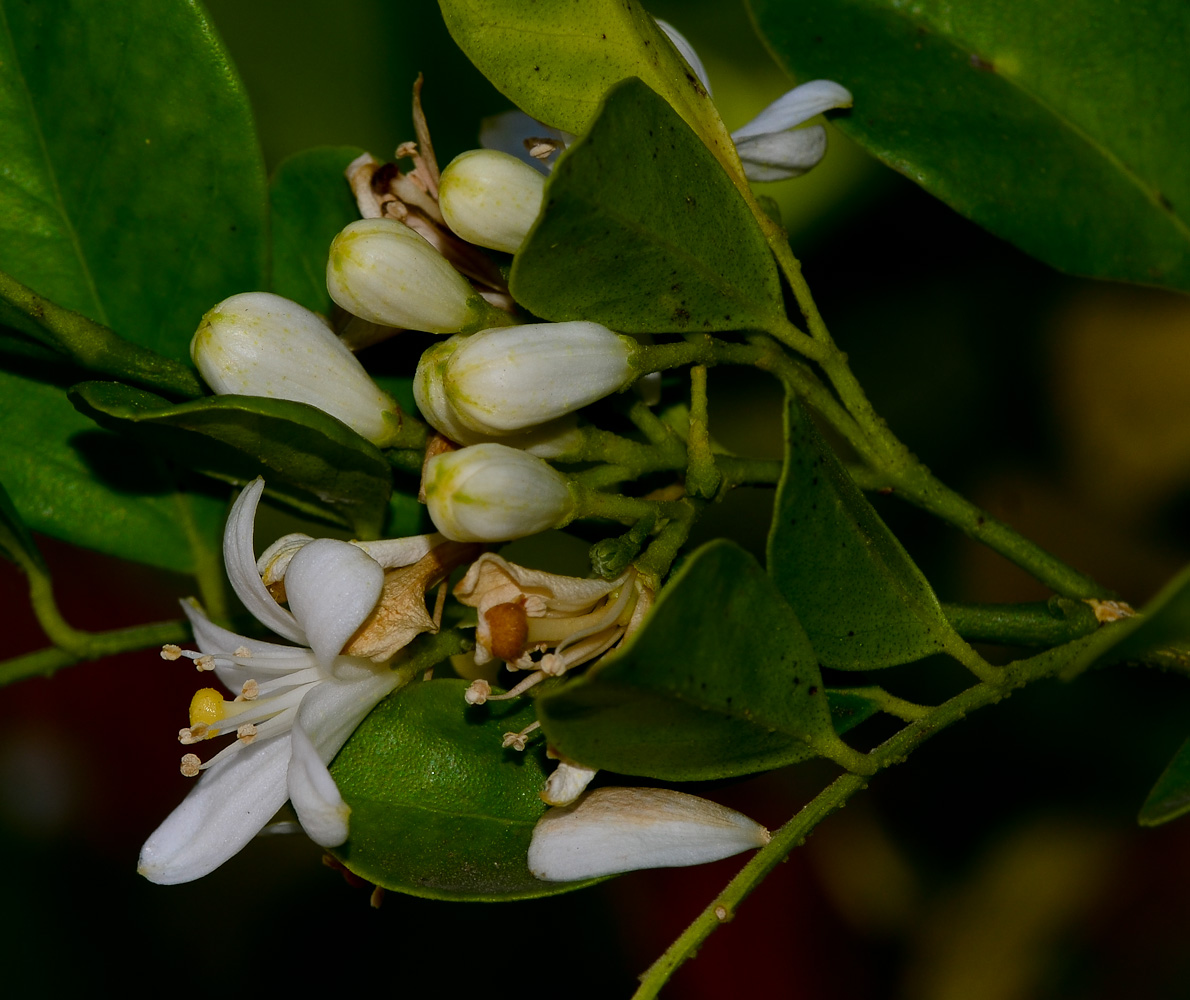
[(228, 807), (240, 562), (332, 587), (622, 829), (315, 796), (777, 156), (796, 106), (686, 50), (567, 783)]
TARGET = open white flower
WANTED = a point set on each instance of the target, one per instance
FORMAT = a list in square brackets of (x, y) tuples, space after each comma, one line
[(294, 706)]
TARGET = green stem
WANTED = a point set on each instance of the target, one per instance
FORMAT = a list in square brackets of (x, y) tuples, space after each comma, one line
[(1043, 623), (906, 711), (659, 556), (702, 476)]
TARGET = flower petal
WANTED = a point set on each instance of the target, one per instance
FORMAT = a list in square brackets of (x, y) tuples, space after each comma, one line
[(210, 638), (796, 106), (777, 156), (622, 829), (686, 51), (241, 566), (332, 587), (392, 553), (228, 807), (315, 796)]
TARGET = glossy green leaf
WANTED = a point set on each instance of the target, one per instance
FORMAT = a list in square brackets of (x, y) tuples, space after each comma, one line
[(15, 540), (643, 232), (134, 194), (70, 479), (862, 600), (993, 108), (720, 681), (307, 457), (555, 61), (311, 201), (1170, 797), (438, 807)]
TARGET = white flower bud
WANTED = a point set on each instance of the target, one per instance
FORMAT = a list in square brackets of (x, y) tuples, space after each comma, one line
[(490, 198), (259, 344), (503, 381), (493, 493), (615, 830), (384, 272)]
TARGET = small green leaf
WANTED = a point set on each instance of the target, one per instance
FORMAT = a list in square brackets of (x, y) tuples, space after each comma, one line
[(862, 600), (438, 807), (555, 61), (15, 540), (311, 203), (720, 681), (990, 107), (643, 232), (308, 458), (1170, 797)]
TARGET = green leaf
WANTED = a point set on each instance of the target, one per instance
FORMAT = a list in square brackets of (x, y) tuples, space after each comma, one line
[(134, 195), (1170, 797), (643, 232), (720, 681), (438, 808), (311, 203), (71, 480), (990, 107), (15, 540), (308, 458), (555, 61), (862, 600)]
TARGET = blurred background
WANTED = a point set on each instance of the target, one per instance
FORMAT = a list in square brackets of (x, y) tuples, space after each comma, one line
[(1002, 862)]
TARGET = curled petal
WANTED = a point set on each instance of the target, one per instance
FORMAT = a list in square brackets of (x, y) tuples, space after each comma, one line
[(315, 796), (392, 553), (777, 156), (332, 587), (567, 783), (686, 50), (229, 806), (622, 829), (795, 107), (241, 567)]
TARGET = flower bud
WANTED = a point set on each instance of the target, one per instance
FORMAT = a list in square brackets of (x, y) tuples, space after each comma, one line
[(490, 198), (259, 344), (384, 272), (503, 381), (615, 830), (493, 493)]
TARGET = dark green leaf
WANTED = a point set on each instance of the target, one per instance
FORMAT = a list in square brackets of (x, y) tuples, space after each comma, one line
[(15, 540), (308, 458), (991, 107), (720, 681), (311, 203), (1170, 797), (862, 600), (643, 232), (438, 808)]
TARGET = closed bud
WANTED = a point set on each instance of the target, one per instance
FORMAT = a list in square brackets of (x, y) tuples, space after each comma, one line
[(503, 381), (490, 198), (259, 344), (494, 493), (615, 830), (384, 272)]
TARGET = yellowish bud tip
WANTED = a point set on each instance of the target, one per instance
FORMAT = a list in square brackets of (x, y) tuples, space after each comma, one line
[(206, 708)]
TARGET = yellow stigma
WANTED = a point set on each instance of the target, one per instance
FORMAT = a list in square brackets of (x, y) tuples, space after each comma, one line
[(206, 708)]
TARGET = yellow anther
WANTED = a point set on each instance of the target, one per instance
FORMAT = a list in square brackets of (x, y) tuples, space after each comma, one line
[(170, 652), (206, 707), (191, 765)]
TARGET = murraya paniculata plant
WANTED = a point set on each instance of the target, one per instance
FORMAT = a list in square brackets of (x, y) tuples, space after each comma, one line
[(561, 297)]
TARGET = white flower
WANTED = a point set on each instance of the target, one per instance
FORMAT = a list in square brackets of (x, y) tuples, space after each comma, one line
[(614, 830), (259, 344), (384, 272), (295, 706), (505, 381), (490, 198), (494, 493)]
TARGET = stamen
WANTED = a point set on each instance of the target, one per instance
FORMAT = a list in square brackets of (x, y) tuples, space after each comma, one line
[(249, 691), (517, 740), (534, 678), (194, 734), (206, 662), (479, 692), (243, 652), (540, 148), (191, 765), (170, 651), (246, 733)]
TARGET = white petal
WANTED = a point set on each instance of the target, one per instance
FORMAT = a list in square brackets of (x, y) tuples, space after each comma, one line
[(567, 783), (230, 804), (797, 106), (622, 829), (777, 156), (323, 813), (687, 52), (210, 638), (392, 553), (332, 587), (241, 566)]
